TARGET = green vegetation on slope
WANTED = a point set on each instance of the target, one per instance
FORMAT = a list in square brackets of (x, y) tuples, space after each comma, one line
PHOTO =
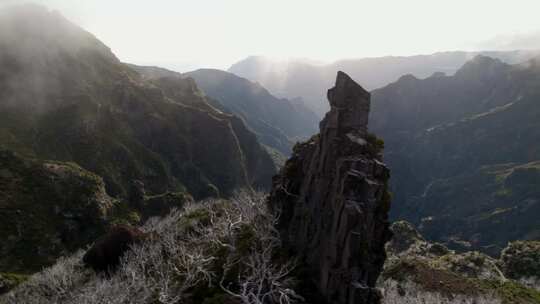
[(47, 209)]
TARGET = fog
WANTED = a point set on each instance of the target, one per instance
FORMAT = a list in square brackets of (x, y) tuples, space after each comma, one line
[(31, 41), (184, 35)]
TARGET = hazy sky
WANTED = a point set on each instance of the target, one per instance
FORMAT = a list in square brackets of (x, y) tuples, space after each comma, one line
[(216, 33)]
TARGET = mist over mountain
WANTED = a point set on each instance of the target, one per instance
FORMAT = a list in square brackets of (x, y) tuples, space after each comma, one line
[(65, 98), (298, 78)]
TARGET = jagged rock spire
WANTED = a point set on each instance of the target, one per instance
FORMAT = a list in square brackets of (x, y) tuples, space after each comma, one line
[(349, 106), (332, 194)]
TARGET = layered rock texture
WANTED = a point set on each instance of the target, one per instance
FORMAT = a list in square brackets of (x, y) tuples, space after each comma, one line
[(333, 199)]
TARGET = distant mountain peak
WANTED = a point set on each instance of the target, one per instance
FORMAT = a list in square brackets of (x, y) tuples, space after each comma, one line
[(481, 66), (407, 77), (438, 75)]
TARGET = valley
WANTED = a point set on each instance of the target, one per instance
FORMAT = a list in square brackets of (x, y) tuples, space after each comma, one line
[(378, 180)]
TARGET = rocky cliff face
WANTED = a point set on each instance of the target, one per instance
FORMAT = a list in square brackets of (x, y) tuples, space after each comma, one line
[(332, 194)]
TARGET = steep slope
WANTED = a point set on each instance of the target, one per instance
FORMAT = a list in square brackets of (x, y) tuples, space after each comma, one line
[(299, 78), (333, 202), (65, 96), (236, 97), (277, 122), (464, 152), (264, 113)]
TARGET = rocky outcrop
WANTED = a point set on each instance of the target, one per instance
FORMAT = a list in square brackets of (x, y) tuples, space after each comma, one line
[(333, 199)]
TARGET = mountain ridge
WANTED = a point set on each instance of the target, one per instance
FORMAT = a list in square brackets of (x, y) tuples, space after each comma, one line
[(298, 78), (261, 110)]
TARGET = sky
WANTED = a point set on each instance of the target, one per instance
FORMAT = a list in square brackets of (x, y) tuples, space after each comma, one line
[(184, 35)]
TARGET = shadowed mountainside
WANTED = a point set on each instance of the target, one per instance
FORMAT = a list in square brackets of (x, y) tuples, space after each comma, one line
[(464, 150), (278, 123), (267, 115)]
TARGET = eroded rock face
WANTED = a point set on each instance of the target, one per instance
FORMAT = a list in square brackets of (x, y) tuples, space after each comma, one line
[(333, 199)]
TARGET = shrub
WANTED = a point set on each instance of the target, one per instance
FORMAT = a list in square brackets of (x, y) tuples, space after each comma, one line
[(215, 249)]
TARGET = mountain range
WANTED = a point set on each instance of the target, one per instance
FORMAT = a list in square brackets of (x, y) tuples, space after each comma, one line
[(296, 78)]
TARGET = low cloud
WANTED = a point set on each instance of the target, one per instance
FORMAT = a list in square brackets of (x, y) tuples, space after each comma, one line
[(516, 41)]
